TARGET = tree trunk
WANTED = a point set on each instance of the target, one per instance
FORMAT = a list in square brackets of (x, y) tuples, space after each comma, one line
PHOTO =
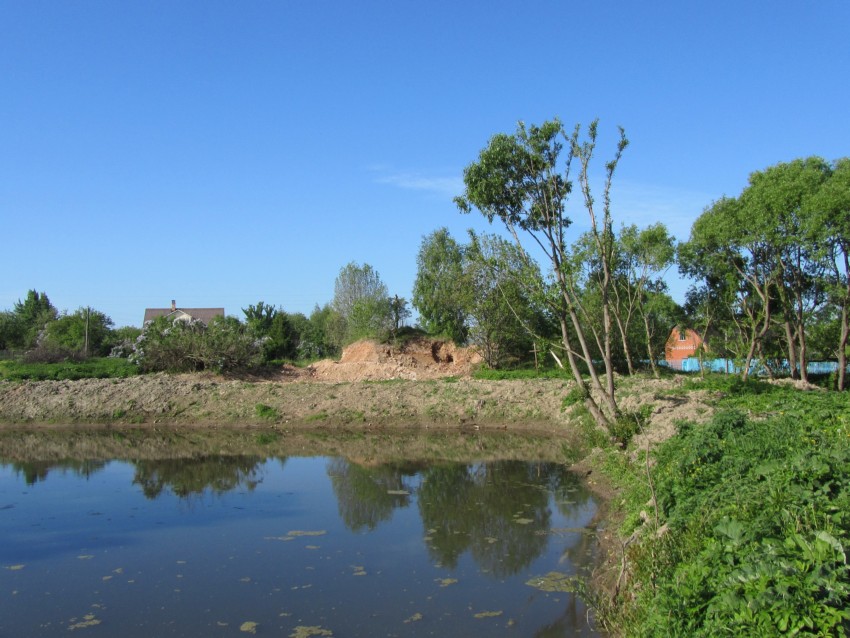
[(649, 351), (608, 397), (770, 371), (792, 349), (751, 352), (802, 340), (609, 359), (591, 405), (624, 339), (842, 346)]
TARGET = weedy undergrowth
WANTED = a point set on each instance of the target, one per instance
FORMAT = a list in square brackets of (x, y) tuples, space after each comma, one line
[(756, 513)]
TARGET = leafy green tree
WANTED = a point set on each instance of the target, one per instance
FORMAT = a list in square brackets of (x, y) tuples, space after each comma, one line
[(86, 331), (362, 302), (273, 327), (355, 282), (642, 258), (503, 317), (259, 317), (10, 331), (324, 334), (769, 246), (31, 317), (776, 209), (723, 250), (283, 338), (707, 312), (659, 314), (438, 293), (521, 180), (370, 317), (399, 314)]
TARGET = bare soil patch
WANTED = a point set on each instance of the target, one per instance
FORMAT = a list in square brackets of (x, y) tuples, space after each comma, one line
[(415, 360)]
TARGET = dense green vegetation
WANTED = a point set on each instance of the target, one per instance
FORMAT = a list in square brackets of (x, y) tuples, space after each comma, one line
[(94, 368), (752, 525), (771, 267)]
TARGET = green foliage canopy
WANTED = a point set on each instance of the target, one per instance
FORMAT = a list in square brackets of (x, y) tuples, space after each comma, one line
[(85, 330), (439, 294)]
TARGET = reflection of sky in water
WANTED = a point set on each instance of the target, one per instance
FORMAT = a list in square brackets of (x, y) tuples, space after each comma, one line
[(97, 553)]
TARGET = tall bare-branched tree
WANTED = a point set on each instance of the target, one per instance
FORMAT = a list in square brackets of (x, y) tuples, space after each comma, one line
[(523, 180)]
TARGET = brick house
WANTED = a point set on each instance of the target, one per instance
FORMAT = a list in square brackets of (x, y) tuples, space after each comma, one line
[(682, 344)]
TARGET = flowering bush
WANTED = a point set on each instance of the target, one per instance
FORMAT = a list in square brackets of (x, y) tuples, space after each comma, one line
[(185, 346)]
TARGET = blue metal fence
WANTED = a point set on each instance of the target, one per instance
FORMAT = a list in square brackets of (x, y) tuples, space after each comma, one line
[(757, 368)]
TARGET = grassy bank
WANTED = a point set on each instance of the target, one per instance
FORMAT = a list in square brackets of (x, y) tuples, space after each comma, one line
[(737, 527)]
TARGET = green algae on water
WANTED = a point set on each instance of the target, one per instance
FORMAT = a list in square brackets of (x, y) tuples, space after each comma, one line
[(304, 631), (553, 582)]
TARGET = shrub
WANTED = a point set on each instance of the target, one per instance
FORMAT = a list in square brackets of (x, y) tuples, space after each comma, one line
[(186, 346), (48, 352)]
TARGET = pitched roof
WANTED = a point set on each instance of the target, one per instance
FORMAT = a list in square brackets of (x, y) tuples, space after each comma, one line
[(203, 314)]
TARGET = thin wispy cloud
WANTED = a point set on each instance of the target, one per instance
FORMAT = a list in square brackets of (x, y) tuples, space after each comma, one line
[(645, 204), (417, 181), (632, 202)]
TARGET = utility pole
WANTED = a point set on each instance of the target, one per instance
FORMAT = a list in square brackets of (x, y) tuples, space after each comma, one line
[(86, 346)]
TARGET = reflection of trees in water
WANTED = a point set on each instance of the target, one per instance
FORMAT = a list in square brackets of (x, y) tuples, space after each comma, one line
[(498, 511), (364, 493), (35, 471), (574, 616), (185, 477), (569, 491)]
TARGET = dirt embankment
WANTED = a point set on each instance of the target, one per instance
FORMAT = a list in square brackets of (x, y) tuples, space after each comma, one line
[(424, 384), (415, 360), (192, 399)]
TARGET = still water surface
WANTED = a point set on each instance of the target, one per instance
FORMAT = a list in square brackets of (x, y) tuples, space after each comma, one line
[(297, 546)]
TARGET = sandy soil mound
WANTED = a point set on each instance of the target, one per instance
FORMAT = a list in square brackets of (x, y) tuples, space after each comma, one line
[(368, 360)]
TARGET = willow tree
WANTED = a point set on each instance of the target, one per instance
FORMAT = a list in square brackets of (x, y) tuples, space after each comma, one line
[(523, 181)]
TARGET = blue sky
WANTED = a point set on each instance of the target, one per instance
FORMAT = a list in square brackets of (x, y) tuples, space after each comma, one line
[(222, 153)]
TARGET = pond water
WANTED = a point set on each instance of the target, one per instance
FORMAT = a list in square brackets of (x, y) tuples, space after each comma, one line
[(291, 546)]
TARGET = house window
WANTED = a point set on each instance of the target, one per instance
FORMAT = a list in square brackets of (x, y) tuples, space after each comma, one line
[(682, 336)]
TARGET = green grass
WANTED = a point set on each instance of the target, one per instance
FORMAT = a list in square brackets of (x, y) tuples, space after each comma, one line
[(486, 374), (266, 412), (96, 368)]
